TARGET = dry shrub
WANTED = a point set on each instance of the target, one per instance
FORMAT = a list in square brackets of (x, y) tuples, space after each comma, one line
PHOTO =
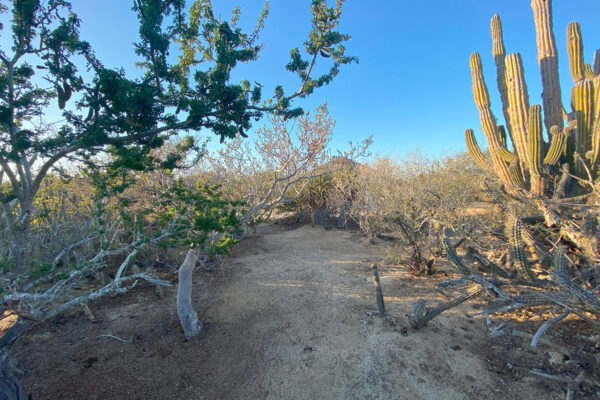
[(411, 198), (276, 167), (63, 215)]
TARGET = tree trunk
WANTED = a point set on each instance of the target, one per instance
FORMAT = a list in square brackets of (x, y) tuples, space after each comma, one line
[(187, 316), (343, 218), (320, 214), (9, 387)]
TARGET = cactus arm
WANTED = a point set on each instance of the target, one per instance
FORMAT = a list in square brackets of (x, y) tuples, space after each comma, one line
[(505, 154), (475, 151), (515, 174), (518, 249), (587, 71), (558, 145), (454, 258), (535, 148), (518, 104), (488, 121), (480, 91), (502, 151), (548, 60), (499, 54), (422, 315), (575, 50), (536, 142), (498, 50), (582, 102)]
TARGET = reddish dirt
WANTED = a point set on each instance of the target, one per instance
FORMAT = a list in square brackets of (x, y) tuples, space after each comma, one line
[(292, 315)]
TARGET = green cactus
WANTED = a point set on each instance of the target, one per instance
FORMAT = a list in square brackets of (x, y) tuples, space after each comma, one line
[(474, 149), (379, 293), (496, 141), (533, 159), (517, 247), (453, 257)]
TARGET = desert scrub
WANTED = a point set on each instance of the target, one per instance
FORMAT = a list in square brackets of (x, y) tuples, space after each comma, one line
[(63, 215), (329, 195), (550, 245), (111, 123), (275, 168), (412, 198)]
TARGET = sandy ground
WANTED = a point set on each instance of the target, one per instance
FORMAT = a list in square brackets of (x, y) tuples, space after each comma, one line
[(291, 316)]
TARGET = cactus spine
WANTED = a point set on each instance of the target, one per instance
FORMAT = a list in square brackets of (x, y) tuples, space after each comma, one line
[(530, 162)]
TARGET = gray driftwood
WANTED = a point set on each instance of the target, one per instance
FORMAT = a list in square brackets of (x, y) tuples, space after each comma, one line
[(187, 316)]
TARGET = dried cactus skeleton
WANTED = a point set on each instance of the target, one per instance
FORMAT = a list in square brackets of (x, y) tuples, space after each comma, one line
[(526, 288), (563, 287), (534, 160)]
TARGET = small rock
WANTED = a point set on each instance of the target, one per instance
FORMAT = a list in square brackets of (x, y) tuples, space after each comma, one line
[(307, 349), (90, 361), (456, 347), (555, 358)]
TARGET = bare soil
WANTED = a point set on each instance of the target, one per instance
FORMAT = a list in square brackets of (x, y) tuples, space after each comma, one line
[(292, 315)]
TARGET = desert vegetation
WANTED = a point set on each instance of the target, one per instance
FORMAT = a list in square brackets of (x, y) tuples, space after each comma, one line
[(108, 182), (550, 261)]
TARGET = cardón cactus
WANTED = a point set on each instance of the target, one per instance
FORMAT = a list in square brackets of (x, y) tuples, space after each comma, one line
[(532, 160)]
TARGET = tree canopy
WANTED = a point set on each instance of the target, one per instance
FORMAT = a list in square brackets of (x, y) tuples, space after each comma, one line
[(111, 121)]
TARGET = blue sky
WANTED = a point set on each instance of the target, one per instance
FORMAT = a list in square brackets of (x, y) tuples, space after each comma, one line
[(412, 86)]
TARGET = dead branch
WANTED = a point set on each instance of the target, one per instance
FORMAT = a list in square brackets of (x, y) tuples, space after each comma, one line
[(185, 310)]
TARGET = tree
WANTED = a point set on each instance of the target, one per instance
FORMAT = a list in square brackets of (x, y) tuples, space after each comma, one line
[(111, 122)]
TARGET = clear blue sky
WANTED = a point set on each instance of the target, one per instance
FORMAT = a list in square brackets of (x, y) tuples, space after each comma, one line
[(412, 86)]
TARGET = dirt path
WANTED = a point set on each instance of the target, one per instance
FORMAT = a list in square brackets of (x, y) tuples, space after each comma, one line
[(288, 320)]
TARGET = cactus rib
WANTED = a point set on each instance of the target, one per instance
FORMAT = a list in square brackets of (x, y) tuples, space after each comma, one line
[(535, 139)]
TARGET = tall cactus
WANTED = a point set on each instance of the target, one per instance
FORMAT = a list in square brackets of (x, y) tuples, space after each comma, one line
[(532, 159)]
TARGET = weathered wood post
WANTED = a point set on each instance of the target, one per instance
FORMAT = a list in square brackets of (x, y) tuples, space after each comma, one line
[(187, 316)]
